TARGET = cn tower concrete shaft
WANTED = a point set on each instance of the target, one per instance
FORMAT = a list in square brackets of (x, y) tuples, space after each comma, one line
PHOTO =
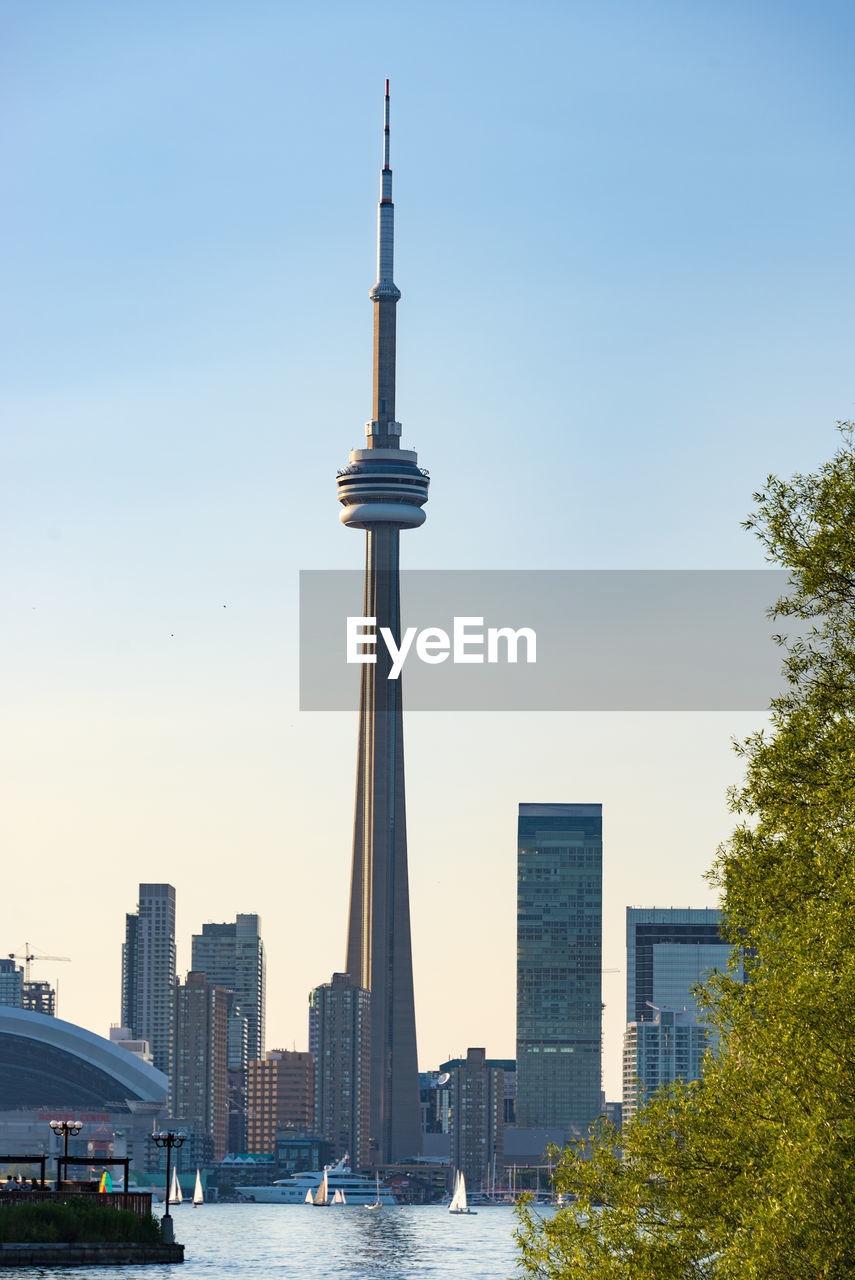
[(382, 491)]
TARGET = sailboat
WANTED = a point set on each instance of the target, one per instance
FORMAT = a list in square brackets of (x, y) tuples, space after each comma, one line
[(376, 1204), (322, 1193), (198, 1193), (175, 1196), (458, 1199), (338, 1197), (309, 1199)]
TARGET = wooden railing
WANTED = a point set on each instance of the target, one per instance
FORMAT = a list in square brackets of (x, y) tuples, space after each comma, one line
[(139, 1202)]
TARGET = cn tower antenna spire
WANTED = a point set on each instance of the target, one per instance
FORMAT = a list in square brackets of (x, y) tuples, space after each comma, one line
[(384, 430), (386, 129)]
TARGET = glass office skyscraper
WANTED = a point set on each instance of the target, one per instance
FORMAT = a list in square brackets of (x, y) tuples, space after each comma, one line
[(559, 965), (668, 950)]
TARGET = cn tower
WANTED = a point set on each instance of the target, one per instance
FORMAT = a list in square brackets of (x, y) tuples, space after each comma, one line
[(383, 490)]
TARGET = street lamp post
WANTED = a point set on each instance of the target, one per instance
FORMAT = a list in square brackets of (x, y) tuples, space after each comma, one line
[(167, 1139), (68, 1129)]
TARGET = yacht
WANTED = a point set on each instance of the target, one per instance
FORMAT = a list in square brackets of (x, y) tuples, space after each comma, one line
[(357, 1190)]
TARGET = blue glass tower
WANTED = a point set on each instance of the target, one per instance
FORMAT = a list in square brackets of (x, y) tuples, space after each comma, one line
[(559, 965), (668, 950)]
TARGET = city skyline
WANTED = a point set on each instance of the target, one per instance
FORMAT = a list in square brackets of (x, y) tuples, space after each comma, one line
[(643, 223)]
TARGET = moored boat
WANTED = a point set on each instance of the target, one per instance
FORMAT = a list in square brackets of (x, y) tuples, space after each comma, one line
[(356, 1189)]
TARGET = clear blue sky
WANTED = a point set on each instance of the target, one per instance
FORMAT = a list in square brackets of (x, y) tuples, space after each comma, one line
[(624, 245)]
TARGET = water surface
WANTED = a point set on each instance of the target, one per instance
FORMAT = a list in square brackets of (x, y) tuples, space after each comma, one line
[(261, 1241)]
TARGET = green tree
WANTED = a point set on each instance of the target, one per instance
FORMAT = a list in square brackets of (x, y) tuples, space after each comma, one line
[(750, 1172)]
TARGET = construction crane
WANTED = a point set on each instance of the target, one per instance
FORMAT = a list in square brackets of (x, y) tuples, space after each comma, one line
[(30, 955)]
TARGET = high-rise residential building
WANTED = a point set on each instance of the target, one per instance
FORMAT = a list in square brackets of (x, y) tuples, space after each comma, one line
[(21, 992), (238, 1059), (11, 984), (281, 1095), (341, 1016), (668, 1046), (476, 1118), (559, 966), (199, 1091), (148, 973), (232, 955), (239, 1054), (383, 491), (668, 950)]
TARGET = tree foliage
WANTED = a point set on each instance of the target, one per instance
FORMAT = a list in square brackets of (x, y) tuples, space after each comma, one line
[(750, 1172)]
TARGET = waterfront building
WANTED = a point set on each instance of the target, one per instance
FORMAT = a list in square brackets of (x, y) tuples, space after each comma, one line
[(232, 955), (341, 1016), (383, 490), (668, 951), (195, 1152), (52, 1069), (148, 973), (281, 1093), (667, 1046), (559, 966), (298, 1150), (200, 1085), (476, 1119), (527, 1161)]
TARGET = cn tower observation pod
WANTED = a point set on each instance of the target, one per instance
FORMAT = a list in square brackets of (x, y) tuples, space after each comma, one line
[(382, 486)]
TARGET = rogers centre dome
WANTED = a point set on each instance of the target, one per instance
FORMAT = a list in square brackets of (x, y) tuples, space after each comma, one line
[(45, 1062)]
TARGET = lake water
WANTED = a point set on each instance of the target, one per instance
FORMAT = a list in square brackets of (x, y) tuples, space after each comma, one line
[(227, 1241)]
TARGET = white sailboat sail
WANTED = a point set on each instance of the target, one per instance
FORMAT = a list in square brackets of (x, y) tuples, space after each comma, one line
[(376, 1204), (198, 1193), (321, 1195), (309, 1199), (175, 1196), (458, 1199)]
